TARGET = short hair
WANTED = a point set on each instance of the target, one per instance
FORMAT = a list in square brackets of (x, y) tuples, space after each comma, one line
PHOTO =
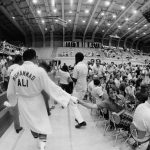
[(113, 88), (96, 82), (17, 59), (124, 77), (65, 68), (29, 54), (79, 56)]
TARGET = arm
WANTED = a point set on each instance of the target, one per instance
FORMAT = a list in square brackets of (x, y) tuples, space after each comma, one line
[(88, 105), (54, 90), (11, 93)]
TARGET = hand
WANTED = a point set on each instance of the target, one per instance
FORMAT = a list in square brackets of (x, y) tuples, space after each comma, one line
[(7, 104), (74, 99)]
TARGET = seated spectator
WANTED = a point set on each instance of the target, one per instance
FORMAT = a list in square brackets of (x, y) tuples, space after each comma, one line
[(97, 91), (130, 91), (142, 95), (109, 103), (141, 118)]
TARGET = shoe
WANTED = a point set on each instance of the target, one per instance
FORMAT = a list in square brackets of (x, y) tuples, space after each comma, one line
[(18, 130), (76, 120), (79, 125), (42, 145)]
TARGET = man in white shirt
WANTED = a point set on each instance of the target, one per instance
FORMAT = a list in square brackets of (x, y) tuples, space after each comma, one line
[(141, 118), (98, 68), (80, 73), (26, 83)]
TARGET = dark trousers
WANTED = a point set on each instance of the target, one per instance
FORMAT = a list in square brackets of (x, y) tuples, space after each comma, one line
[(65, 87)]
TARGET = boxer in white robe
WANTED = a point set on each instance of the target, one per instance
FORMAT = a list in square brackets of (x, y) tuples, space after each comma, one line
[(80, 79), (27, 82), (14, 110)]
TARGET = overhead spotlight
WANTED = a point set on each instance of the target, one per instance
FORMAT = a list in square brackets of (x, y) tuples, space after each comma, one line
[(43, 21), (129, 28), (114, 16), (70, 12), (103, 30), (108, 24), (39, 11), (86, 11), (90, 1), (102, 14), (55, 10), (145, 25), (34, 1), (137, 37), (134, 11), (107, 3), (45, 29), (13, 17), (56, 20), (83, 21), (96, 22), (69, 20), (119, 26), (123, 7), (144, 33), (135, 23), (126, 19), (137, 31)]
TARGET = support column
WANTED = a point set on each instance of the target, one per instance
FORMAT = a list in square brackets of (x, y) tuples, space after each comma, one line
[(52, 39)]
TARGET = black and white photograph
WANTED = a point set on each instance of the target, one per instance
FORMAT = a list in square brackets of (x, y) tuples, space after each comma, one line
[(74, 74)]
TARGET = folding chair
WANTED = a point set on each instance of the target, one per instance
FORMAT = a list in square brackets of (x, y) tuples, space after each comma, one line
[(116, 120)]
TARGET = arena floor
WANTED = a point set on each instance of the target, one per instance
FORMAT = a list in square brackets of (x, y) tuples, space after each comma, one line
[(65, 136)]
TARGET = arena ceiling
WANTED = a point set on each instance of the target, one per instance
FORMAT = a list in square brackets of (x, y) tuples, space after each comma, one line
[(75, 19)]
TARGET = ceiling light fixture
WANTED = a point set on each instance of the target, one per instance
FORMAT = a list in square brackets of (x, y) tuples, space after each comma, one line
[(34, 1), (55, 10), (90, 1), (86, 11), (43, 21), (83, 21), (126, 19), (123, 7), (137, 31), (102, 14), (107, 3), (108, 24), (134, 11), (145, 25), (114, 16), (70, 12), (129, 28), (56, 20), (69, 20), (39, 11), (144, 33), (96, 22), (119, 26), (103, 30), (135, 23), (45, 29), (13, 17)]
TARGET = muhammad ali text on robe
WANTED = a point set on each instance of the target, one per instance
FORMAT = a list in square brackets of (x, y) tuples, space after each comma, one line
[(23, 82)]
